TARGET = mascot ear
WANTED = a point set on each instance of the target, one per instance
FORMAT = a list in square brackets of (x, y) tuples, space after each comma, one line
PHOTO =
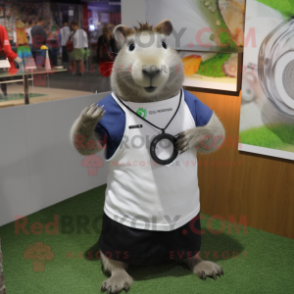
[(121, 32), (164, 27)]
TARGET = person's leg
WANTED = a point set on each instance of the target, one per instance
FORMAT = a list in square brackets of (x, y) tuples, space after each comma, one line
[(4, 90), (53, 56), (70, 61), (40, 58), (34, 54), (74, 66), (82, 67), (64, 56)]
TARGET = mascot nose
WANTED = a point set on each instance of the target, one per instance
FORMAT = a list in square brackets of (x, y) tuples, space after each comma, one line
[(151, 71)]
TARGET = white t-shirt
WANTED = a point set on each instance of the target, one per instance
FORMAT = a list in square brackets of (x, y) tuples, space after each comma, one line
[(28, 31), (145, 195), (80, 39), (64, 34), (158, 113)]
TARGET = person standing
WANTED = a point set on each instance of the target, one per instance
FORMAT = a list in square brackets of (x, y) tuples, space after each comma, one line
[(80, 47), (106, 50), (22, 43), (6, 52), (28, 31), (53, 45), (39, 38), (64, 35)]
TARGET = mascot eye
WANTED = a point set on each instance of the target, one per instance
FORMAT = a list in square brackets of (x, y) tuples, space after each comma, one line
[(164, 45), (132, 47)]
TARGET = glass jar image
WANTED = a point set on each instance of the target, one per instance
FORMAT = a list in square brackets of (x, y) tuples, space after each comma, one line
[(276, 67)]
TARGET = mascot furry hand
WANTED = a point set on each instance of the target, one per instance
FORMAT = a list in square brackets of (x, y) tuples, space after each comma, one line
[(151, 211)]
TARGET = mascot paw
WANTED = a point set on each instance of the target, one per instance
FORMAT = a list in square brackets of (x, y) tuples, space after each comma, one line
[(186, 140), (91, 115), (207, 269), (116, 283)]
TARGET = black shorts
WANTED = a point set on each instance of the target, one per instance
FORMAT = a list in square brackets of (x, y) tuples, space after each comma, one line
[(144, 247)]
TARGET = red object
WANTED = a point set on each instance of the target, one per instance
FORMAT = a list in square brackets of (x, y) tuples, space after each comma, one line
[(69, 45), (105, 68), (5, 45), (115, 18), (13, 70), (85, 18)]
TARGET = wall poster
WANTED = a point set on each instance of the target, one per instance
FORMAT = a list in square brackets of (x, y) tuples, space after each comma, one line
[(267, 110), (209, 35)]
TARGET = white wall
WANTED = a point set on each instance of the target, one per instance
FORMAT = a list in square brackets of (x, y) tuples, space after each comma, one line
[(185, 16), (132, 11), (38, 165)]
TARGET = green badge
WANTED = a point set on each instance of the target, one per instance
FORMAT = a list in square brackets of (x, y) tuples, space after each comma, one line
[(142, 112)]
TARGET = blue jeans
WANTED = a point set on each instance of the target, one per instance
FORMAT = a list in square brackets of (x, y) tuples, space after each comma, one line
[(39, 56)]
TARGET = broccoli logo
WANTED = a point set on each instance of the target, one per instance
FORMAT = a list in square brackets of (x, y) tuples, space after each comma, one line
[(92, 162), (142, 112), (39, 253)]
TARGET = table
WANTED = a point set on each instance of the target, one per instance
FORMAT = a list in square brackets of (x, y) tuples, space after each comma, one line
[(23, 76)]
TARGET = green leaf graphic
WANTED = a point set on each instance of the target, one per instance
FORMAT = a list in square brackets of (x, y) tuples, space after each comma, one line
[(286, 7), (213, 67), (142, 112), (279, 137)]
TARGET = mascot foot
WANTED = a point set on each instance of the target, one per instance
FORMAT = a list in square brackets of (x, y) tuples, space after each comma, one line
[(207, 269), (117, 282)]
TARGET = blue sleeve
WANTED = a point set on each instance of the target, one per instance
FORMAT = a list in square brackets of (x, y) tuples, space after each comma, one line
[(112, 125), (201, 113)]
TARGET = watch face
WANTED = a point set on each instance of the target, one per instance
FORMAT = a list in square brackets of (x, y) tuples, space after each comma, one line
[(163, 150)]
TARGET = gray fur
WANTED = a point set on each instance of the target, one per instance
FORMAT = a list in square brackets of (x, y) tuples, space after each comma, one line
[(129, 82), (84, 127), (204, 268), (119, 279), (124, 87), (206, 139)]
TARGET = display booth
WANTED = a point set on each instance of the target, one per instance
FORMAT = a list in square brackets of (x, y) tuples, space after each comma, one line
[(237, 59)]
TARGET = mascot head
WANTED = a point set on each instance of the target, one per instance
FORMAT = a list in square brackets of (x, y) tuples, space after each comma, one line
[(146, 68)]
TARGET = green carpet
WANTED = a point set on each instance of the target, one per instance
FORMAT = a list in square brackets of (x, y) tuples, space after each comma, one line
[(268, 265), (20, 96)]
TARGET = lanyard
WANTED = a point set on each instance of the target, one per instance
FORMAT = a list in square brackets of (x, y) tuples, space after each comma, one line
[(163, 130)]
